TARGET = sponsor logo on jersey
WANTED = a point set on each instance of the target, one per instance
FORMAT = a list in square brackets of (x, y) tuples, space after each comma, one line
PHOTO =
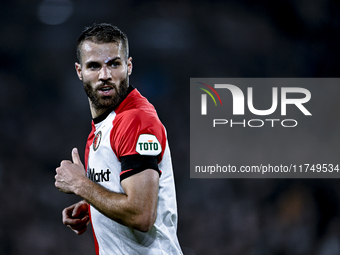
[(96, 140), (148, 145), (99, 176)]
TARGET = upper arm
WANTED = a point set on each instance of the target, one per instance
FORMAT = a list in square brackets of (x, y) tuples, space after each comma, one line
[(141, 190), (131, 137)]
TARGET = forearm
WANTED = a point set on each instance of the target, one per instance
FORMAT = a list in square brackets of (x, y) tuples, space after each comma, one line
[(120, 207), (111, 204)]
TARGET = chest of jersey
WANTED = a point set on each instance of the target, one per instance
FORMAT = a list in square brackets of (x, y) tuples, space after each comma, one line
[(103, 165)]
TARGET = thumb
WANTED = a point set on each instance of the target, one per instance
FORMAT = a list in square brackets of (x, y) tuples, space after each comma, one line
[(75, 211), (81, 209), (75, 157)]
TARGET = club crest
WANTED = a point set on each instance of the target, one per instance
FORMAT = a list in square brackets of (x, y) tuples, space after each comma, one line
[(96, 140)]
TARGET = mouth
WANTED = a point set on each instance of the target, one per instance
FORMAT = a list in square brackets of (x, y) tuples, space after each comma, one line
[(106, 90)]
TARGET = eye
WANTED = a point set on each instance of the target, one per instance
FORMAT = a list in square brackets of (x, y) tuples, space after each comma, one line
[(93, 65), (115, 64)]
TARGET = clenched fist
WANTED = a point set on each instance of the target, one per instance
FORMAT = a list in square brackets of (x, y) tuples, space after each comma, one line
[(70, 174)]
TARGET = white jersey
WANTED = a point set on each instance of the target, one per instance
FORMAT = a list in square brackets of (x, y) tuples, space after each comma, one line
[(131, 132)]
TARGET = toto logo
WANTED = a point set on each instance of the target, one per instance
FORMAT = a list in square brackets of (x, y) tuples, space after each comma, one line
[(239, 103)]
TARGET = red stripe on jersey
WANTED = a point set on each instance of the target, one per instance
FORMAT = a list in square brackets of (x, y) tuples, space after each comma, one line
[(123, 172), (96, 246), (87, 152), (88, 144)]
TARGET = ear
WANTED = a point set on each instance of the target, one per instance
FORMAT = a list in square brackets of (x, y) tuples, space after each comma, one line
[(129, 65), (78, 69)]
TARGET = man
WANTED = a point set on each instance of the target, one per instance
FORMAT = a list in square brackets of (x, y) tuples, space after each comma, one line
[(129, 192)]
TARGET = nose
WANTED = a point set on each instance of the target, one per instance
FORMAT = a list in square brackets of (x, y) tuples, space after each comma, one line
[(105, 73)]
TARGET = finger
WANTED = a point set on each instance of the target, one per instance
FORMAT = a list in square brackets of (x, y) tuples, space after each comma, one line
[(77, 211), (67, 213), (79, 228), (75, 157), (80, 231), (63, 164), (80, 210), (75, 222), (82, 222)]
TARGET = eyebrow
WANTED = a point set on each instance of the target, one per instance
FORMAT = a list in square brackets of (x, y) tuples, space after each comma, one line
[(112, 60), (106, 61)]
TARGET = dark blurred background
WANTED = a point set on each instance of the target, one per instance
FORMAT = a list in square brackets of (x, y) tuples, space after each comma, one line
[(44, 114)]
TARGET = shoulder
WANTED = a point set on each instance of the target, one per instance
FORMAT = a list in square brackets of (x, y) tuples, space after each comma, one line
[(137, 120), (140, 115), (135, 127), (136, 110)]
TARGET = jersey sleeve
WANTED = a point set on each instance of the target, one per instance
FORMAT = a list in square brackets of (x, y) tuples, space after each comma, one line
[(138, 139)]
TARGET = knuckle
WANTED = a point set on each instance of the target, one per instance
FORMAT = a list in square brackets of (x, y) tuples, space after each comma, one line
[(64, 162)]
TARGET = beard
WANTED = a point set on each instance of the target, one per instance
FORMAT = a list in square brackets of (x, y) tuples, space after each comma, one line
[(107, 102)]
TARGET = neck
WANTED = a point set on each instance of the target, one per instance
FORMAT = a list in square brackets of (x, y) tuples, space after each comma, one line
[(96, 112)]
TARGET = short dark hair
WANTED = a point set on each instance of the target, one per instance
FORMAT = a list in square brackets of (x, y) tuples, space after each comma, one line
[(102, 33)]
